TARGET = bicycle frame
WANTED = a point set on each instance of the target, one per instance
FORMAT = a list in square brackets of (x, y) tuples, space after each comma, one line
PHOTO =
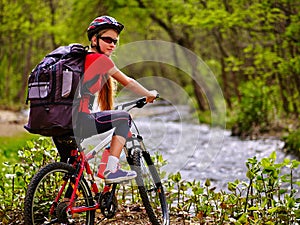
[(84, 165), (83, 159)]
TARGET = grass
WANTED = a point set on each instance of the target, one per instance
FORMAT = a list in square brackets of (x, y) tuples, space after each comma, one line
[(10, 146)]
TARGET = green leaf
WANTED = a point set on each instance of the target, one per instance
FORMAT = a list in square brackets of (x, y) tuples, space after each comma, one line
[(273, 155), (295, 164), (243, 218), (272, 210), (207, 183), (253, 208)]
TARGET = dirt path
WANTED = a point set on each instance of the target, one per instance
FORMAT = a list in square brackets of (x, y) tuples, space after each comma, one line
[(11, 123)]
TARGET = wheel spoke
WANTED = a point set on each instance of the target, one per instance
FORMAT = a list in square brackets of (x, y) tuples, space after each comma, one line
[(150, 188), (40, 204)]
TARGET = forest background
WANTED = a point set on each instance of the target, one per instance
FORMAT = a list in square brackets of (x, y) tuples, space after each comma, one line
[(252, 47)]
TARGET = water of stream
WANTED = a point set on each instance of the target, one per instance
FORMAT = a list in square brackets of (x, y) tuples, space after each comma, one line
[(198, 151)]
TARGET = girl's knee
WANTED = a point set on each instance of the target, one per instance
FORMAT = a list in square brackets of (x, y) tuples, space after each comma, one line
[(125, 118), (125, 114)]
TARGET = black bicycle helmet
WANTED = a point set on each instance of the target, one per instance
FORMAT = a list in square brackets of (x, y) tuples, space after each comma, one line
[(103, 22)]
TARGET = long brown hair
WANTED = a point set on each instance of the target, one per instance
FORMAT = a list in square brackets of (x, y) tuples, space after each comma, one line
[(107, 90), (106, 93)]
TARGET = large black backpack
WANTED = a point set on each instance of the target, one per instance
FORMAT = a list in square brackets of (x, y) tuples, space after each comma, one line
[(52, 87)]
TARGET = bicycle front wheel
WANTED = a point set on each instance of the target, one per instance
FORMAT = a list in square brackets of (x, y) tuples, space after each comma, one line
[(47, 194), (150, 188)]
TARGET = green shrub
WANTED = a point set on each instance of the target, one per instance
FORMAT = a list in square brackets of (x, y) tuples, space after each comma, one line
[(269, 197), (292, 142), (15, 177), (253, 112)]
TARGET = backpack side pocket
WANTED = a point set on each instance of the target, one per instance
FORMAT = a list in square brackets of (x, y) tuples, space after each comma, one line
[(67, 79)]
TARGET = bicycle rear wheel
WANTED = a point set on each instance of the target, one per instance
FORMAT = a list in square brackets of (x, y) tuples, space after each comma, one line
[(44, 188), (150, 188)]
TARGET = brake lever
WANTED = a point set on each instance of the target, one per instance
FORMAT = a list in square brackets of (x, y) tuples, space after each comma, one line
[(141, 103)]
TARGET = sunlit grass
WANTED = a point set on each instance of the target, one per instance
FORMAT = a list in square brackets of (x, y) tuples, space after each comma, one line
[(9, 146)]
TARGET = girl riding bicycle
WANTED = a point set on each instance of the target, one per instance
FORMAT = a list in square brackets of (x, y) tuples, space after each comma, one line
[(103, 34)]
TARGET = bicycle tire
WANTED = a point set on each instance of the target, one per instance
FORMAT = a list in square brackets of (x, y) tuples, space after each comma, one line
[(43, 190), (150, 188)]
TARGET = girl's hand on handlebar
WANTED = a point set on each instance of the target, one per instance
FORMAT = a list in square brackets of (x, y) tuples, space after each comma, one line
[(152, 96)]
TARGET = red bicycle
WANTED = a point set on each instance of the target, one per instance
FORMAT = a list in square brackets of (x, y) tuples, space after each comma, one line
[(60, 193)]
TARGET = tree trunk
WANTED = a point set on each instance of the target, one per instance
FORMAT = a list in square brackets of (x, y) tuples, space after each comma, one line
[(26, 71), (225, 83), (285, 103)]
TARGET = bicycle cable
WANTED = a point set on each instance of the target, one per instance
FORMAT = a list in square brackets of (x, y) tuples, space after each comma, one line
[(137, 130)]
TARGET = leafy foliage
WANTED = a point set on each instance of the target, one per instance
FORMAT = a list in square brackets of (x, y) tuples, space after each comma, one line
[(15, 177), (254, 111), (292, 142), (250, 43), (268, 197)]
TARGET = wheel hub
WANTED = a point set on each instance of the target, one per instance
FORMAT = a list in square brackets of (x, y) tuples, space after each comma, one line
[(61, 212)]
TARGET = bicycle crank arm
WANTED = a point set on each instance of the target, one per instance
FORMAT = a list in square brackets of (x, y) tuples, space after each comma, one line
[(81, 209)]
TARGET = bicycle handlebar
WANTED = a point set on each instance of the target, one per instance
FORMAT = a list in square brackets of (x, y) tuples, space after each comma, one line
[(138, 103)]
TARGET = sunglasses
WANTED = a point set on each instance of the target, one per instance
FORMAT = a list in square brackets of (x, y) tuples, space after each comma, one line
[(109, 40)]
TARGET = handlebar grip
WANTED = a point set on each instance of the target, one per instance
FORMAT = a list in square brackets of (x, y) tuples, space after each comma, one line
[(139, 103)]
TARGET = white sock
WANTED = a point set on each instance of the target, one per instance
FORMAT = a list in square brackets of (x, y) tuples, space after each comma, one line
[(112, 163)]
